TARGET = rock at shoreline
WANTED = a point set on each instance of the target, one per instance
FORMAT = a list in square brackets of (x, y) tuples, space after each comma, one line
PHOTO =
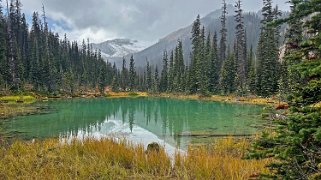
[(153, 147)]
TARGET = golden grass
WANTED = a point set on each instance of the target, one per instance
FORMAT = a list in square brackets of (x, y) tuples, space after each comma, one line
[(14, 99), (222, 160), (107, 159), (220, 98), (126, 94), (317, 105), (92, 159)]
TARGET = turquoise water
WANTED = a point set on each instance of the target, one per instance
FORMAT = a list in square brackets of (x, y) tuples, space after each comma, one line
[(168, 120)]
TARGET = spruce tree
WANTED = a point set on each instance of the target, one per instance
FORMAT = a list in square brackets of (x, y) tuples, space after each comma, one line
[(156, 81), (268, 60), (164, 75), (223, 46), (240, 48), (179, 68), (194, 79), (214, 67), (4, 66), (132, 74), (124, 75), (12, 53), (202, 66), (228, 75), (252, 72), (295, 145), (149, 84), (171, 72)]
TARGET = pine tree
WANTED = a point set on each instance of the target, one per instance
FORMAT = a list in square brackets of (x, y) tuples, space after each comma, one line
[(124, 76), (202, 66), (132, 74), (296, 142), (240, 48), (164, 75), (25, 47), (214, 69), (228, 75), (12, 53), (252, 72), (208, 58), (171, 72), (156, 81), (179, 68), (149, 84), (102, 81), (116, 80), (3, 61), (223, 46), (268, 64), (194, 78)]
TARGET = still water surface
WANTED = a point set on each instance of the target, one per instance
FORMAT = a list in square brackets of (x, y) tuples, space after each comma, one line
[(142, 120)]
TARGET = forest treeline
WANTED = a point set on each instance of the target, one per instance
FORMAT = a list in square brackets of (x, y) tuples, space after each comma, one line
[(40, 60), (217, 67)]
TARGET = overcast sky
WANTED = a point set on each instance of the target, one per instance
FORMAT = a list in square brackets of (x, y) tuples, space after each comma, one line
[(142, 20)]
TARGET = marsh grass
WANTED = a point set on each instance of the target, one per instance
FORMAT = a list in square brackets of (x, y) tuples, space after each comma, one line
[(107, 159), (126, 94), (225, 98), (221, 160), (26, 99), (12, 110)]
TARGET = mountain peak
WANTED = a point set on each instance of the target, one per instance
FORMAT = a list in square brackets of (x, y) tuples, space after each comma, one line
[(118, 47)]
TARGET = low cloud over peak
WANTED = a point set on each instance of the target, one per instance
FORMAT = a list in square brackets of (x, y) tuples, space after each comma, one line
[(144, 20)]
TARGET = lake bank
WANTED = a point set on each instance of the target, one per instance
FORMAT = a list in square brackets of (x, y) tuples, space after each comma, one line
[(217, 98), (12, 106), (225, 98), (108, 159), (105, 158)]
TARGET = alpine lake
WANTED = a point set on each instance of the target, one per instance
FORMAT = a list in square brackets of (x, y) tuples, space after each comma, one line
[(171, 122)]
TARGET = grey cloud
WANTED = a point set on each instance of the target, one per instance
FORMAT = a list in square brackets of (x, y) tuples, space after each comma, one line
[(144, 20)]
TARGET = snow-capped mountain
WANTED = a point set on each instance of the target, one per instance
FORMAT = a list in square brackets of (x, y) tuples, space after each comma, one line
[(118, 48)]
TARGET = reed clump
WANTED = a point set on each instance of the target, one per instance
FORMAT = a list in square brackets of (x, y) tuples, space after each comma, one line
[(221, 160), (108, 159)]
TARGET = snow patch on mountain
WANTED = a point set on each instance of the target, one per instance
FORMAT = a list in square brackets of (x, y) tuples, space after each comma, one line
[(118, 47)]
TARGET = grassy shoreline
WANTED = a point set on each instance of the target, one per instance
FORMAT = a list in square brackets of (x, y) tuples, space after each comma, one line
[(107, 159), (216, 98), (224, 98), (11, 106)]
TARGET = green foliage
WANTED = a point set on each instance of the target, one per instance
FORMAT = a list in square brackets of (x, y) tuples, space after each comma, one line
[(267, 76), (295, 144), (164, 75), (228, 76), (40, 60), (132, 74)]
